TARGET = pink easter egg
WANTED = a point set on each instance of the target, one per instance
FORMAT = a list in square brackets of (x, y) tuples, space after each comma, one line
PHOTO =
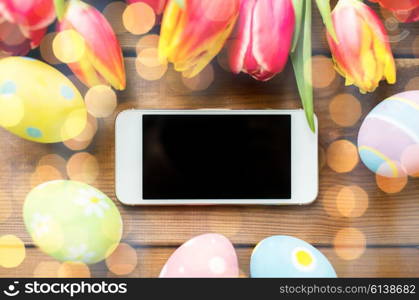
[(207, 255)]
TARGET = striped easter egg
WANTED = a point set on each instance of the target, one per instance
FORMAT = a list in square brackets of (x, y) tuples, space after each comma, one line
[(388, 140)]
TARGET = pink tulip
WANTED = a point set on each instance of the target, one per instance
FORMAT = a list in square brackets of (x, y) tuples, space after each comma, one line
[(157, 5), (102, 62), (263, 38), (23, 24), (363, 55)]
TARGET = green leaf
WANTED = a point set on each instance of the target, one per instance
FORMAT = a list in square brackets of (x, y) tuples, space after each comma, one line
[(302, 63), (181, 3), (298, 9), (326, 13), (59, 8)]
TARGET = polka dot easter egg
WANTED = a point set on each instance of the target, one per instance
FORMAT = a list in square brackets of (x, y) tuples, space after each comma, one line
[(388, 140), (288, 257), (72, 221), (204, 256), (38, 103)]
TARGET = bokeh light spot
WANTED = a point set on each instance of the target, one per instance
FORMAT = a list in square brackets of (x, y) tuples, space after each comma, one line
[(83, 167), (101, 101), (43, 174), (46, 269), (147, 41), (324, 72), (73, 270), (12, 251), (123, 260), (47, 53), (342, 156), (349, 243), (202, 81), (391, 185), (113, 13), (69, 46), (410, 160), (345, 110), (139, 18), (352, 201), (150, 73)]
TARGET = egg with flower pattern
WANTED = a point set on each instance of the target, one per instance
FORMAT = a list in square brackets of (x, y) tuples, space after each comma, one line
[(206, 255), (38, 103), (288, 257), (72, 221)]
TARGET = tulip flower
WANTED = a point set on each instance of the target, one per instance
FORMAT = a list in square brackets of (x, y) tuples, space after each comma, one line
[(157, 5), (363, 54), (102, 60), (23, 24), (264, 36), (192, 34), (404, 10)]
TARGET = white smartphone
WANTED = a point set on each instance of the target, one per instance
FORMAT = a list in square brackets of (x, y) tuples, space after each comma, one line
[(195, 157)]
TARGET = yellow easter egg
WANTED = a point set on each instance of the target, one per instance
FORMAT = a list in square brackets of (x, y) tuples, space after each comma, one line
[(38, 103)]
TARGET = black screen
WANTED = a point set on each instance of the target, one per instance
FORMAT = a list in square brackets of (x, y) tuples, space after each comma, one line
[(191, 157)]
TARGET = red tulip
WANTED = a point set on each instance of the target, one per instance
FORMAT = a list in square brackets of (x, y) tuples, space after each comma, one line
[(157, 5), (23, 24), (264, 36), (404, 10), (102, 60)]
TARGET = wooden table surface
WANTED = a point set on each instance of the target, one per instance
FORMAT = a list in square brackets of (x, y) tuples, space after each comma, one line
[(383, 241)]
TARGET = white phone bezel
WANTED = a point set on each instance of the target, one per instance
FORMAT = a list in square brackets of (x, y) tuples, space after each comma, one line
[(128, 159)]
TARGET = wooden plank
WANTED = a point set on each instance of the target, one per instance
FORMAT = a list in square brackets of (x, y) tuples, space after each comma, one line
[(402, 35), (387, 262), (390, 219)]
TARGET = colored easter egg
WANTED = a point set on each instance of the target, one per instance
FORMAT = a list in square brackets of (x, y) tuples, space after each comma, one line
[(72, 221), (205, 256), (38, 103), (288, 257), (388, 140)]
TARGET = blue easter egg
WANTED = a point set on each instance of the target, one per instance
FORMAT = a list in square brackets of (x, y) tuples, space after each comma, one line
[(288, 257)]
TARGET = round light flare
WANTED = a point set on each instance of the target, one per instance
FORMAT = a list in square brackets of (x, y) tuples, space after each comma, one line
[(46, 50), (12, 110), (54, 160), (113, 13), (123, 260), (342, 156), (329, 200), (324, 70), (83, 167), (410, 160), (150, 73), (6, 207), (12, 251), (147, 41), (71, 269), (43, 174), (101, 101), (345, 110), (139, 18), (391, 185), (84, 139), (69, 46), (149, 57), (46, 269), (352, 201), (74, 124), (349, 243), (202, 81)]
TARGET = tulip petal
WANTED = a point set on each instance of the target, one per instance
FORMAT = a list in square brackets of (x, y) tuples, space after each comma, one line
[(103, 52)]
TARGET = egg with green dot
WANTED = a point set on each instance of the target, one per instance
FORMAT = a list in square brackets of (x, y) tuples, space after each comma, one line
[(38, 103), (72, 221)]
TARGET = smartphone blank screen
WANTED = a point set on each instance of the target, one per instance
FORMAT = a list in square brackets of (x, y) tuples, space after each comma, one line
[(192, 157)]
